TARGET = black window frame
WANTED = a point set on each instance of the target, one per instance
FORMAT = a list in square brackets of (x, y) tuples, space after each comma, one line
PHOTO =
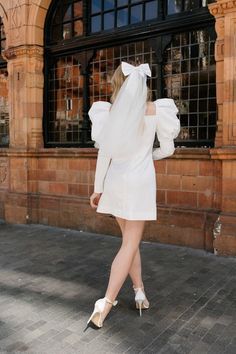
[(87, 45)]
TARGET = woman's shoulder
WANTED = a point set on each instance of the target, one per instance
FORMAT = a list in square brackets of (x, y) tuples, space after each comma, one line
[(166, 103), (100, 105)]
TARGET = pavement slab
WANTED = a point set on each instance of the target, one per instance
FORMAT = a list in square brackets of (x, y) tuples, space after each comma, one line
[(51, 277)]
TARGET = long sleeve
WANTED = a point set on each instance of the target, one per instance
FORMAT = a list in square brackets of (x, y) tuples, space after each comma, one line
[(167, 129), (102, 165), (167, 148)]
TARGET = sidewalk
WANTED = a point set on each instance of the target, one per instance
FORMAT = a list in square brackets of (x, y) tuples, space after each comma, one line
[(50, 279)]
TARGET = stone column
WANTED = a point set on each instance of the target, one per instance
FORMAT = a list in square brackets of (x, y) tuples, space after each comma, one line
[(25, 70), (26, 80), (225, 148)]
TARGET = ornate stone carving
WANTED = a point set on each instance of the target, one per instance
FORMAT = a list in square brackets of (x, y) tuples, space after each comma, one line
[(22, 51), (220, 7)]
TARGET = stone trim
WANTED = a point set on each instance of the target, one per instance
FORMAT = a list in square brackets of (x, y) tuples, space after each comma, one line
[(35, 51), (220, 7), (180, 153)]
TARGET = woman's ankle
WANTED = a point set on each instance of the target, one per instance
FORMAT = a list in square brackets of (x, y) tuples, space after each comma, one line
[(138, 285)]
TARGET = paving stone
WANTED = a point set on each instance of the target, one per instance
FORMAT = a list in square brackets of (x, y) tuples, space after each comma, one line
[(51, 277)]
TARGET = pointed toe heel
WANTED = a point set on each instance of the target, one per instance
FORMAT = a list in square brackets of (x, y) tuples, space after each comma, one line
[(140, 300), (96, 317)]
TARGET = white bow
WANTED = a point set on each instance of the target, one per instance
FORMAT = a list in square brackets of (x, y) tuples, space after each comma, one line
[(128, 69)]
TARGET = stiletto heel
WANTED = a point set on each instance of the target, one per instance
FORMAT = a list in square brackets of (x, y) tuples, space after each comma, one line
[(96, 317), (140, 300)]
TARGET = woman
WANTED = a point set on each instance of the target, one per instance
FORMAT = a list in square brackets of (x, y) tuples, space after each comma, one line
[(125, 180)]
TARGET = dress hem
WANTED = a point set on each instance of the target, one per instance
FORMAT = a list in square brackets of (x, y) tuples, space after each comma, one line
[(119, 214)]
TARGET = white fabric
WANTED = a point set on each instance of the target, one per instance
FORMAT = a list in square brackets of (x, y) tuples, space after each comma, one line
[(126, 114), (128, 69), (128, 186)]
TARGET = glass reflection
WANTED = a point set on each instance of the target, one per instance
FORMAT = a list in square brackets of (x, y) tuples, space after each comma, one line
[(4, 108), (188, 60)]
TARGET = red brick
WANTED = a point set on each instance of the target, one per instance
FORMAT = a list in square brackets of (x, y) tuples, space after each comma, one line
[(161, 196), (229, 186), (43, 187), (229, 204), (46, 175), (43, 164), (62, 163), (78, 189), (182, 167), (79, 164), (58, 188), (205, 201), (206, 168), (170, 182), (190, 183), (182, 198), (33, 175), (160, 166)]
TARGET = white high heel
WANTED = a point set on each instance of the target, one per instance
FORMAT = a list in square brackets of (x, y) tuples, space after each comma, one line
[(140, 300), (96, 317)]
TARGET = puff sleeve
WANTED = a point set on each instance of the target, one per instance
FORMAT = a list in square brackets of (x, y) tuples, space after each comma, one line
[(98, 114), (167, 129)]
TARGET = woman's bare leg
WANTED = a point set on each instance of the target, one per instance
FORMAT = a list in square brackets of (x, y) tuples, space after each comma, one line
[(122, 262), (135, 271)]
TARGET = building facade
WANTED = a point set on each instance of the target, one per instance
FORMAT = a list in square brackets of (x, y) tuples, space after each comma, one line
[(57, 58)]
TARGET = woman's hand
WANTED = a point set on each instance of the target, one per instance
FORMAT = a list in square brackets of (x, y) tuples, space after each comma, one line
[(94, 199)]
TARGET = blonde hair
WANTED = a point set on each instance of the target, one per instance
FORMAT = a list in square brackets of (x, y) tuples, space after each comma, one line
[(117, 80)]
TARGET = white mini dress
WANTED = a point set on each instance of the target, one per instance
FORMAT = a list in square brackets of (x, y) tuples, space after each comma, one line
[(128, 186)]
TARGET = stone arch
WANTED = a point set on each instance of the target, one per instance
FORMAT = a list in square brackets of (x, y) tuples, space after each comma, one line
[(37, 16)]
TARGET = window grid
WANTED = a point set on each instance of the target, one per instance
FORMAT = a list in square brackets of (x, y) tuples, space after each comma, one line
[(65, 100), (2, 38), (106, 61), (67, 21), (110, 14), (189, 78), (177, 73), (4, 108), (176, 7)]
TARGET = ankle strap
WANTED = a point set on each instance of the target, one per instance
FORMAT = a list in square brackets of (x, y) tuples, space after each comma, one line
[(110, 302), (141, 288)]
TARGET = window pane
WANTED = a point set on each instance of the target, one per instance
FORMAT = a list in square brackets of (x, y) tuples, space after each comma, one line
[(122, 2), (122, 17), (174, 6), (109, 4), (106, 61), (67, 31), (67, 13), (136, 14), (109, 20), (78, 9), (96, 6), (151, 10), (188, 82), (4, 108), (191, 4), (96, 24), (78, 28), (65, 100)]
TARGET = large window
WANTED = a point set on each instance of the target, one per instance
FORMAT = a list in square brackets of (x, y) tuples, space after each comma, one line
[(85, 41), (4, 108)]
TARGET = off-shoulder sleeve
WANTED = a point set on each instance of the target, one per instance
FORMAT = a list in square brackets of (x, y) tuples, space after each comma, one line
[(98, 114), (167, 129)]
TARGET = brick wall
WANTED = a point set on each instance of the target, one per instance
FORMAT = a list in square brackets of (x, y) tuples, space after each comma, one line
[(53, 187)]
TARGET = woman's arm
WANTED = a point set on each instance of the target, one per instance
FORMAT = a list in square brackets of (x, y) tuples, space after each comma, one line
[(167, 148), (102, 165)]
